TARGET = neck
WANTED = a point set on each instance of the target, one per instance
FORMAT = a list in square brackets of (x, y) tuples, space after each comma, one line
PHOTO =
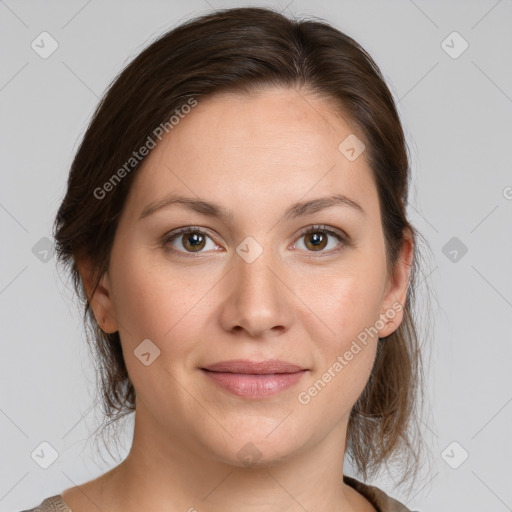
[(164, 473)]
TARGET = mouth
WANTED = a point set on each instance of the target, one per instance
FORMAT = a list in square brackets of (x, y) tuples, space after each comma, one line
[(254, 379), (267, 367)]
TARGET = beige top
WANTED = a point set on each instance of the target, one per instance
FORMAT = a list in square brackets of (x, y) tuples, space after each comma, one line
[(379, 499)]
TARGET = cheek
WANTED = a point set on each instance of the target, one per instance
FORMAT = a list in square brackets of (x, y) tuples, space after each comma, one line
[(345, 357), (348, 301), (143, 298), (347, 304), (151, 302), (352, 313)]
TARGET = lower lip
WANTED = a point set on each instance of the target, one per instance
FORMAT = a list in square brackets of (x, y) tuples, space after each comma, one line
[(254, 386)]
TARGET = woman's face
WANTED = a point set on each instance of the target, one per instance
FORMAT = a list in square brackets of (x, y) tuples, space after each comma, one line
[(250, 285)]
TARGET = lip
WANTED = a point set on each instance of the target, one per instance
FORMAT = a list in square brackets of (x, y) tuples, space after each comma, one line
[(254, 379), (254, 367)]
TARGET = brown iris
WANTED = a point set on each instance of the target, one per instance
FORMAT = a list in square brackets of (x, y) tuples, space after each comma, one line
[(194, 241), (317, 239)]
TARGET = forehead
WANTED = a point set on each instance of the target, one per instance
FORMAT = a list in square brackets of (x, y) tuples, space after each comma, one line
[(273, 143)]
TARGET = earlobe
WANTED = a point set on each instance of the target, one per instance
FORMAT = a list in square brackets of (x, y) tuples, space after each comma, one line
[(390, 324)]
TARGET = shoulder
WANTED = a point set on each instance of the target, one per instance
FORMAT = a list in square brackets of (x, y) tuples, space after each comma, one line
[(51, 504), (377, 497)]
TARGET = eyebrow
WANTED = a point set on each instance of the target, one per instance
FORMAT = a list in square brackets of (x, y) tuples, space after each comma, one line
[(213, 210)]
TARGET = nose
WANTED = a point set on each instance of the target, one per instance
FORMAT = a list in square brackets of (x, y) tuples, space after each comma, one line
[(258, 299)]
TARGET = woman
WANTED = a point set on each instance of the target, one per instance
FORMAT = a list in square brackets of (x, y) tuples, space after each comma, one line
[(235, 225)]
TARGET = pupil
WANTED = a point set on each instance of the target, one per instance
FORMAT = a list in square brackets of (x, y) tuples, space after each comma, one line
[(314, 237), (195, 239)]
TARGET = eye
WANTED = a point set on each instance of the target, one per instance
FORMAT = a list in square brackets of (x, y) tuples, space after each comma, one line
[(190, 239), (317, 239), (193, 239)]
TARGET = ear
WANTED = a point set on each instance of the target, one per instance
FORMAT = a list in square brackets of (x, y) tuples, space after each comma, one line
[(101, 301), (393, 304)]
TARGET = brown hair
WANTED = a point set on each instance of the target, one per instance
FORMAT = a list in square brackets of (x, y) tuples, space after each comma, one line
[(240, 50)]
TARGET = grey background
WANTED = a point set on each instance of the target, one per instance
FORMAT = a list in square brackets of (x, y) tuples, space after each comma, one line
[(457, 114)]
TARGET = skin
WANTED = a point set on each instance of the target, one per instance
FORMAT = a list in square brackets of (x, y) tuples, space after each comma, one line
[(290, 304)]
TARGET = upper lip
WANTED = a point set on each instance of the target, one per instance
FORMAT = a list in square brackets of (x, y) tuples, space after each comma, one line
[(269, 366)]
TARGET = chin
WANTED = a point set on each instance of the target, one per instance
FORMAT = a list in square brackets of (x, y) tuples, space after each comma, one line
[(257, 452)]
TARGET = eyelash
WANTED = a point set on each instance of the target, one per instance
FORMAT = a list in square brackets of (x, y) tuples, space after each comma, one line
[(343, 239)]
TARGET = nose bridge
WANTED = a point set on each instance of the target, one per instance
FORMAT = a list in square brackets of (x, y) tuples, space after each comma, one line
[(255, 274)]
